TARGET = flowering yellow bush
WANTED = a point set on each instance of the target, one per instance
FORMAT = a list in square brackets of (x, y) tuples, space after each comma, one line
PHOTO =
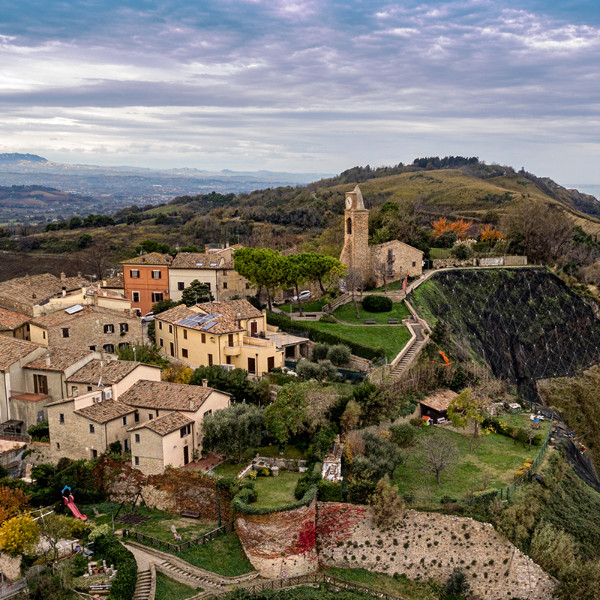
[(18, 534)]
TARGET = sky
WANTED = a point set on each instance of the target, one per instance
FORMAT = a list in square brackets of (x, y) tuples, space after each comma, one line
[(303, 85)]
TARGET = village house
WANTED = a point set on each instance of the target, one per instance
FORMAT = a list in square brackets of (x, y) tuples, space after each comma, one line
[(30, 294), (434, 408), (14, 324), (171, 416), (146, 280), (213, 268), (231, 334), (378, 264), (90, 327)]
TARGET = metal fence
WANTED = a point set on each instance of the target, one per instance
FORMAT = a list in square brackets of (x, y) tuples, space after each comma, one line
[(8, 590), (203, 539), (312, 579)]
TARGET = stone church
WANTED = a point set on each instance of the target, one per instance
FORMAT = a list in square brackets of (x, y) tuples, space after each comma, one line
[(390, 261)]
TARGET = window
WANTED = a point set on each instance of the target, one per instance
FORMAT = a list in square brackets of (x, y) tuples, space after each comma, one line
[(109, 328), (157, 297), (207, 284), (44, 334), (349, 226), (210, 360), (92, 428), (125, 420), (204, 338), (89, 388), (93, 348), (180, 285), (247, 286), (251, 365), (184, 352), (161, 342), (185, 334), (160, 324), (124, 327), (136, 460), (228, 360), (57, 446), (171, 349), (414, 264), (40, 416), (186, 430), (123, 344), (94, 453), (134, 273), (137, 438), (61, 419), (230, 340), (270, 363), (136, 417), (40, 384), (224, 285), (150, 416), (110, 348), (135, 296), (156, 275), (65, 332), (126, 446), (170, 328), (208, 412)]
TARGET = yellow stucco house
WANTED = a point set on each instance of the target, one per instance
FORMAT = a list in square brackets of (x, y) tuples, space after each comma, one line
[(231, 334)]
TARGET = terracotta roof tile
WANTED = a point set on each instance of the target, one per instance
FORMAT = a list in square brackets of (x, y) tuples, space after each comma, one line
[(233, 308), (13, 349), (10, 320), (163, 395), (197, 260), (153, 258), (104, 411), (165, 424), (60, 317), (36, 289), (440, 400), (175, 314), (60, 359), (111, 371)]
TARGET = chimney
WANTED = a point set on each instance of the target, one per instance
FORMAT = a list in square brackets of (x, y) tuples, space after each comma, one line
[(205, 383), (63, 276), (191, 406), (47, 359), (64, 291)]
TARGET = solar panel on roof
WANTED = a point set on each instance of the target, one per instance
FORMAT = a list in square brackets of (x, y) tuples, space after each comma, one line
[(198, 319), (74, 309), (208, 325)]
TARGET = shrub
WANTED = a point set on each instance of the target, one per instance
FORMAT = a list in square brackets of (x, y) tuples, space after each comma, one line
[(457, 583), (330, 491), (461, 251), (377, 304), (339, 355), (319, 352), (113, 552), (264, 472), (39, 431)]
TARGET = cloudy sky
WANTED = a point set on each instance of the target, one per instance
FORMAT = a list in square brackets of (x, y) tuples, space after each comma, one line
[(303, 85)]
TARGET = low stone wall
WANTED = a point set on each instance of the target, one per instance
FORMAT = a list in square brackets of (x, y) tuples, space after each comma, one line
[(10, 566), (280, 544), (429, 546)]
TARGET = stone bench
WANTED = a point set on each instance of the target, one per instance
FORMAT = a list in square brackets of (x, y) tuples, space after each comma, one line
[(393, 321), (370, 322), (194, 514)]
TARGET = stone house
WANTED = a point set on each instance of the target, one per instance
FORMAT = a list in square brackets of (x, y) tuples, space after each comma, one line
[(146, 280), (384, 262), (30, 294), (170, 416), (89, 327), (232, 334), (214, 268), (14, 324), (435, 406)]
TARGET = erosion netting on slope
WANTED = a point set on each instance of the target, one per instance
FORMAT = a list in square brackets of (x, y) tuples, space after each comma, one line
[(525, 323)]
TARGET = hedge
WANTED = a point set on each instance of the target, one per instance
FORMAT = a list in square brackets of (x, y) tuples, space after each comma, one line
[(377, 304), (113, 552), (326, 337), (330, 491)]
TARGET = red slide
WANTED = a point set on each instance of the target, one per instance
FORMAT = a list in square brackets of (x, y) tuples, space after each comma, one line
[(71, 506)]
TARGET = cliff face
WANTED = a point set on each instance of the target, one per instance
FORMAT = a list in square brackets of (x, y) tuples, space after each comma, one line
[(525, 323)]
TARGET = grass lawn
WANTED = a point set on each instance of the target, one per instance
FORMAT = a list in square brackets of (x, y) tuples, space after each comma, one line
[(402, 586), (169, 589), (188, 529), (312, 306), (273, 452), (391, 339), (224, 556), (488, 465), (347, 313), (229, 468), (276, 491)]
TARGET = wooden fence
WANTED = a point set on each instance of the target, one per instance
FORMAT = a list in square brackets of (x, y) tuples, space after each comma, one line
[(207, 537), (311, 579)]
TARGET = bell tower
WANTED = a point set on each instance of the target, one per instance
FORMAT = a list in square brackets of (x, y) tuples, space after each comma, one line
[(355, 254)]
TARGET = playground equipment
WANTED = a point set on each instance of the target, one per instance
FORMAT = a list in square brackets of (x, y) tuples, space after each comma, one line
[(70, 504)]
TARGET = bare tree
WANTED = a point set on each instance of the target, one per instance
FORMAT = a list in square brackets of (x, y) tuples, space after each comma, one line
[(354, 282), (437, 453), (382, 269)]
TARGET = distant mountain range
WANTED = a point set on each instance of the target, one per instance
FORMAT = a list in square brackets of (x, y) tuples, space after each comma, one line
[(108, 189)]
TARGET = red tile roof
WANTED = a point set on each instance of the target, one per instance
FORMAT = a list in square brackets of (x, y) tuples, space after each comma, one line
[(153, 258), (10, 320), (165, 424), (13, 350), (105, 411), (60, 359)]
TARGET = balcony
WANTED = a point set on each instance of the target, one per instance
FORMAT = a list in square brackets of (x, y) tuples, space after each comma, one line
[(233, 350)]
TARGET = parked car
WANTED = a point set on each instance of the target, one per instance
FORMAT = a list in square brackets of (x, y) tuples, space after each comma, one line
[(148, 317), (305, 295)]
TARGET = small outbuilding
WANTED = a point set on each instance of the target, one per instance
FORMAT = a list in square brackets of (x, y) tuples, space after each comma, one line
[(435, 406)]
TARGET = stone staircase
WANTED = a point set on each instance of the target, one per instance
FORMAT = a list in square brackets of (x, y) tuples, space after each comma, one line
[(143, 587), (190, 576), (416, 346)]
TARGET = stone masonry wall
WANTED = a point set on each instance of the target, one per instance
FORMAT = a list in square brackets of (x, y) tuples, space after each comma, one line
[(429, 546), (280, 544)]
